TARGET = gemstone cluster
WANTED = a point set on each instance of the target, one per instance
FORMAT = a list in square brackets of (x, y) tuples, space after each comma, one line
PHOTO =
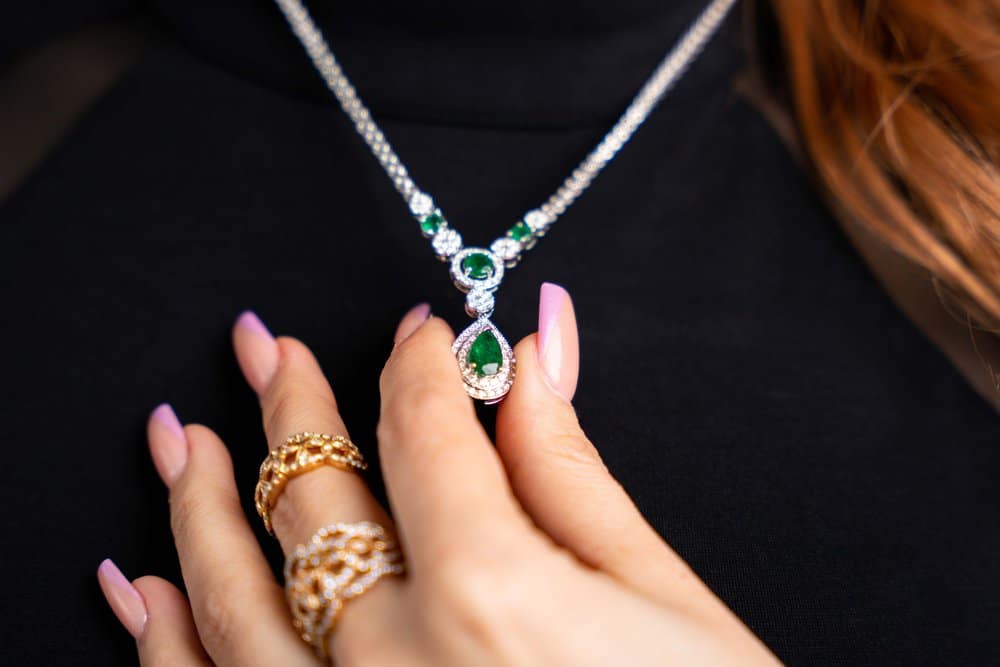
[(485, 360)]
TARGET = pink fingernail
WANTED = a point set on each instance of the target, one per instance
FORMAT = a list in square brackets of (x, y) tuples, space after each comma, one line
[(124, 599), (256, 350), (167, 443), (411, 321), (558, 345)]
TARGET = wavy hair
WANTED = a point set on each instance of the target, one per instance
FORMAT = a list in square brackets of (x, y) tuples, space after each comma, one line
[(897, 106)]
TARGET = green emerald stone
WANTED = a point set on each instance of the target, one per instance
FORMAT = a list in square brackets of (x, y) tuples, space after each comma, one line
[(485, 354), (432, 223), (478, 266), (520, 232)]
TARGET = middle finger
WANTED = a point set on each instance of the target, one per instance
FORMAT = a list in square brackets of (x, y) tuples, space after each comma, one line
[(295, 397)]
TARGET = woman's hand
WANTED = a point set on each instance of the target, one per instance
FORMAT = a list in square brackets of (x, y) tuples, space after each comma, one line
[(528, 552)]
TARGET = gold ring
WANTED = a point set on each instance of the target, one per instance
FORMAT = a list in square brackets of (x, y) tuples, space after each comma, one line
[(301, 453), (340, 562)]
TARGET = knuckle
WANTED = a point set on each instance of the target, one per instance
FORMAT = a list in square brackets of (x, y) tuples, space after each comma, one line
[(186, 510), (288, 406), (478, 591), (217, 611), (570, 447), (418, 404)]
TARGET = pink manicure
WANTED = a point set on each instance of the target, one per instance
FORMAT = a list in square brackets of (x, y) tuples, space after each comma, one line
[(558, 346), (167, 443), (256, 351), (249, 321), (412, 321), (124, 599)]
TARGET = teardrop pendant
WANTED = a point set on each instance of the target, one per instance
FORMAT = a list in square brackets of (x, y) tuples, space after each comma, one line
[(485, 360)]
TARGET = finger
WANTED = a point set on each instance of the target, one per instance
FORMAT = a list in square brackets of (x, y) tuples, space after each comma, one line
[(233, 593), (294, 397), (171, 637), (411, 322), (558, 475), (444, 479), (156, 614)]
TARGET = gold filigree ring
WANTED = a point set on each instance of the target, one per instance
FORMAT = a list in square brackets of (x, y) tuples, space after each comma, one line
[(301, 453), (340, 562)]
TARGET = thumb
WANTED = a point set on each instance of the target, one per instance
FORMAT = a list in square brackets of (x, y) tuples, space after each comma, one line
[(557, 473)]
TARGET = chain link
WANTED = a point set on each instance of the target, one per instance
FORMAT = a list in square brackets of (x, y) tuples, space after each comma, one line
[(667, 73)]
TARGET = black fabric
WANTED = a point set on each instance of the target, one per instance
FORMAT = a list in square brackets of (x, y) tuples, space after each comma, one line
[(792, 436)]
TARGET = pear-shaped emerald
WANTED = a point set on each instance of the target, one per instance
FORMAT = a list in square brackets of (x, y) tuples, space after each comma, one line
[(485, 354)]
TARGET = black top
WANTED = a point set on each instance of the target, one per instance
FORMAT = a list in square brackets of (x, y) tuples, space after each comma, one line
[(790, 433)]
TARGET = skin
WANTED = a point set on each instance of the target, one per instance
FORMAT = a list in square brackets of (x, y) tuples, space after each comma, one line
[(500, 538)]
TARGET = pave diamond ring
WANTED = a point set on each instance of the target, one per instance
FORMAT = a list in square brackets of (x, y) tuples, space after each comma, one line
[(339, 563), (300, 454)]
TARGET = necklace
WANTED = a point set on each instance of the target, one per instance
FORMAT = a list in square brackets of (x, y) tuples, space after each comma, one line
[(485, 358)]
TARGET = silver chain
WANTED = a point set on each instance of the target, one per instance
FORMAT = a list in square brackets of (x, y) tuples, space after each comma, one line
[(446, 241)]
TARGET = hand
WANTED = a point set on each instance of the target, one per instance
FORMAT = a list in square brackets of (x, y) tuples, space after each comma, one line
[(526, 553)]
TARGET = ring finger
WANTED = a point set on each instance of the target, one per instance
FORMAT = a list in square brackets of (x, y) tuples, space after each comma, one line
[(296, 397)]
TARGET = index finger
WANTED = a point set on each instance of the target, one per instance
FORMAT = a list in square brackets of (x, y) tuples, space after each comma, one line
[(444, 479)]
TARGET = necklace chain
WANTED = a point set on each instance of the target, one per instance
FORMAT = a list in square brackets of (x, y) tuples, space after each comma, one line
[(485, 359), (447, 242)]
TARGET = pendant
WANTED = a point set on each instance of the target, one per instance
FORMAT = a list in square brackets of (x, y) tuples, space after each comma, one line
[(485, 358)]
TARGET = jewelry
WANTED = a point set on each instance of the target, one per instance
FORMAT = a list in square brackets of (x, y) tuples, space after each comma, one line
[(301, 453), (340, 562), (485, 359)]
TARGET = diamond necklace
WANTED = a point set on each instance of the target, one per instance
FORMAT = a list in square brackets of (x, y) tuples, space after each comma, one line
[(485, 358)]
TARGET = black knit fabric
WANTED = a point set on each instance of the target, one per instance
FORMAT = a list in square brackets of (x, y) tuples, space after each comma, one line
[(775, 417)]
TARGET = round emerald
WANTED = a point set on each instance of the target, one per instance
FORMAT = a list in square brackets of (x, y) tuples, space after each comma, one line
[(520, 232), (478, 266), (431, 223), (485, 354)]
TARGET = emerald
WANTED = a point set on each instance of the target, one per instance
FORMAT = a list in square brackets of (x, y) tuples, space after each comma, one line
[(485, 354), (520, 232), (432, 223), (478, 266)]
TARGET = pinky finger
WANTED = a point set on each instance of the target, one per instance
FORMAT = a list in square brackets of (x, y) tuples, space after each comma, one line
[(157, 615)]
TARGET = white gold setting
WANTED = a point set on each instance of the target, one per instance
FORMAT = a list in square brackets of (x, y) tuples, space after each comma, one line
[(489, 388), (421, 204), (538, 221), (446, 242), (479, 303), (506, 251), (464, 282)]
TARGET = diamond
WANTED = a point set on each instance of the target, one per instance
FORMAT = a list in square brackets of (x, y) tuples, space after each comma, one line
[(537, 220), (479, 302), (431, 224), (447, 242), (520, 232), (478, 266), (506, 249), (485, 355), (421, 204)]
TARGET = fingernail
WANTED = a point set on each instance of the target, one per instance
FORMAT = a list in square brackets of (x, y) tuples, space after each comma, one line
[(256, 350), (558, 346), (124, 599), (167, 443), (411, 321)]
